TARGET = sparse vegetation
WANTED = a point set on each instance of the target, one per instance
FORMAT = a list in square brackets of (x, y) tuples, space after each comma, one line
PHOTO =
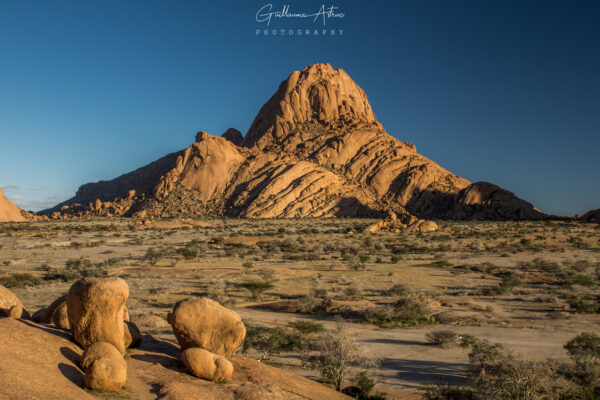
[(469, 277)]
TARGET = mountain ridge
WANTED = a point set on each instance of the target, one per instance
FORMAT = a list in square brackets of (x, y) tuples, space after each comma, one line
[(315, 149)]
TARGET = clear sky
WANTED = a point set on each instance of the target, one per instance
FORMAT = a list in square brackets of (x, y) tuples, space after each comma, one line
[(501, 91)]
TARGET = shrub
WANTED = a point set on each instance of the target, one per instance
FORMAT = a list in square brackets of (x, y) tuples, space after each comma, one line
[(483, 352), (364, 383), (399, 290), (584, 345), (266, 275), (510, 281), (153, 255), (516, 379), (306, 327), (77, 269), (582, 280), (20, 280), (247, 265), (441, 338), (446, 392), (357, 265), (256, 288), (187, 253), (582, 305), (411, 308), (364, 258), (269, 342), (353, 292)]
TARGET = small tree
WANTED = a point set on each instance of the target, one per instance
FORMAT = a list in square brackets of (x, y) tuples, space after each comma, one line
[(256, 288), (338, 351)]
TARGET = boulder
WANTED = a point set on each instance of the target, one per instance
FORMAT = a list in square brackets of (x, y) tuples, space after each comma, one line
[(7, 301), (106, 374), (132, 335), (100, 350), (51, 309), (428, 226), (18, 312), (206, 365), (38, 316), (60, 317), (95, 309), (204, 323)]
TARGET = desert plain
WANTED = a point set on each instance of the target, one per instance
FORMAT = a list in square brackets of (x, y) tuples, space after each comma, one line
[(530, 286)]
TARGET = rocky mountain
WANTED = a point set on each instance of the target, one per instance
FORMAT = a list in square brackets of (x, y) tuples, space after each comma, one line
[(315, 149), (9, 212)]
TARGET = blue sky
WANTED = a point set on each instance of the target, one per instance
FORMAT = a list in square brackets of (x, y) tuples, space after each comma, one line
[(501, 91)]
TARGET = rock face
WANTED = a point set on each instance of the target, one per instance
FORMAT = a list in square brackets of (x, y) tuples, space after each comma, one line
[(9, 212), (315, 149), (206, 365), (96, 309), (204, 323)]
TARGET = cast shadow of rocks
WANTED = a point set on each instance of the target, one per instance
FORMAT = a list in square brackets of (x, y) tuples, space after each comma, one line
[(71, 373)]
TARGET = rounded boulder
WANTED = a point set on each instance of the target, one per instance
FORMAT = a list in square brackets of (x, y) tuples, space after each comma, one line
[(206, 365), (60, 317), (7, 301), (204, 323), (95, 309), (100, 350), (106, 374)]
